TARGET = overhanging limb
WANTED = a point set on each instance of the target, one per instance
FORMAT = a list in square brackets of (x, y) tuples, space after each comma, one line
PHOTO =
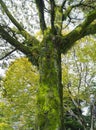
[(28, 51), (23, 32), (88, 27)]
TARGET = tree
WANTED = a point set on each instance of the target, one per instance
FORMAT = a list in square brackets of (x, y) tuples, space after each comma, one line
[(20, 86), (77, 90), (46, 54), (78, 77)]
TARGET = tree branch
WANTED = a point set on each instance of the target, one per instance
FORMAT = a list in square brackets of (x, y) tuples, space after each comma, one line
[(79, 119), (63, 4), (29, 51), (23, 32), (86, 28), (8, 54), (69, 9), (66, 13), (52, 2), (40, 6), (78, 108), (10, 16), (91, 29)]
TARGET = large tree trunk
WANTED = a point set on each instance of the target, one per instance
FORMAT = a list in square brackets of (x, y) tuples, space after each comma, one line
[(50, 92)]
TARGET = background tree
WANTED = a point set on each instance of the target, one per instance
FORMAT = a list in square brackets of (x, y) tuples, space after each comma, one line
[(78, 77), (19, 92), (46, 54)]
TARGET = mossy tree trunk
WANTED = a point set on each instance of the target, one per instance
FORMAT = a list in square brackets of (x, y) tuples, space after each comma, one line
[(50, 93)]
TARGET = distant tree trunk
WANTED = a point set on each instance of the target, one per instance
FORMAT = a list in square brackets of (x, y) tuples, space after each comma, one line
[(50, 93), (92, 118)]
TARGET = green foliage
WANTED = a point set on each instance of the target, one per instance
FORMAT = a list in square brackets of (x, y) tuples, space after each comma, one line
[(20, 85), (78, 75), (4, 126), (20, 90), (5, 121), (21, 81)]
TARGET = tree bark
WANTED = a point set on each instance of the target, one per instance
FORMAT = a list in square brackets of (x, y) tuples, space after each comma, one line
[(92, 118), (60, 88), (50, 92)]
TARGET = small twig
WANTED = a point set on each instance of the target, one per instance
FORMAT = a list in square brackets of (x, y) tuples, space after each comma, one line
[(63, 4)]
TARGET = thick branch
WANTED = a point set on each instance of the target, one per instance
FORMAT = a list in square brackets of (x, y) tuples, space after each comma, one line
[(14, 21), (10, 16), (91, 29), (63, 4), (29, 51), (84, 29), (52, 2), (40, 6)]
